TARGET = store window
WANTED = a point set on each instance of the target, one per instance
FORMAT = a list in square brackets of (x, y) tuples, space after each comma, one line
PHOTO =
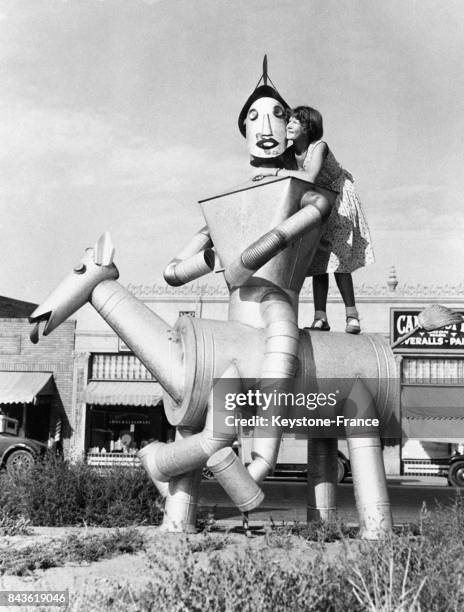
[(33, 419), (123, 430), (124, 410)]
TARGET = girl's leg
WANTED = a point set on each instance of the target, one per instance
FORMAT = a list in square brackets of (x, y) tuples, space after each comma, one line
[(320, 291), (344, 282)]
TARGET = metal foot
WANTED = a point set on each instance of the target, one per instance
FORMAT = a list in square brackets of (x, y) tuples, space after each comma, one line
[(245, 524)]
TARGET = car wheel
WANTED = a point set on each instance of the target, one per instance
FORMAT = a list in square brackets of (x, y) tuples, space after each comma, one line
[(456, 474), (341, 470), (19, 462)]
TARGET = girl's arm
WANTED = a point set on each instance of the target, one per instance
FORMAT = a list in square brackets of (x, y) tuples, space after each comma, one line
[(310, 172)]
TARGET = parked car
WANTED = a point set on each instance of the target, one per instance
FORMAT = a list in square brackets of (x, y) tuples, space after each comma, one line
[(17, 454), (298, 470), (456, 471), (343, 467)]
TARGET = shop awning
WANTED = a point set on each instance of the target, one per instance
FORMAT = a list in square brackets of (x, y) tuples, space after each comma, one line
[(24, 387), (433, 412), (127, 393)]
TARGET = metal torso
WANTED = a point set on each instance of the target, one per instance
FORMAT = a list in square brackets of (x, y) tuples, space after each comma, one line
[(239, 217)]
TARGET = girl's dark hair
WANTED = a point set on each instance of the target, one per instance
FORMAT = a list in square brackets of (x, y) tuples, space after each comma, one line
[(310, 119)]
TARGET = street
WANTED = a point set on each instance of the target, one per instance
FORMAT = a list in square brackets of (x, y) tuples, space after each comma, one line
[(286, 499)]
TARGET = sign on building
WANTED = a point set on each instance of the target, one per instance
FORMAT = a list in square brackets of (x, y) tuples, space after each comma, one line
[(448, 340)]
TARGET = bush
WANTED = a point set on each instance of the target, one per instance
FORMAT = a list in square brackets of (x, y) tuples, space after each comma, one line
[(57, 493), (415, 572)]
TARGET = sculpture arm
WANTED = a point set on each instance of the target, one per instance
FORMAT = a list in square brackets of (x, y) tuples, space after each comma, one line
[(315, 210), (196, 259)]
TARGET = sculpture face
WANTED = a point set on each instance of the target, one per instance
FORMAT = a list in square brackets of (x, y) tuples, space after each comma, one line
[(265, 125)]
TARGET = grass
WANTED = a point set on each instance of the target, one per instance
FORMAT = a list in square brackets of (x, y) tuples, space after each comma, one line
[(85, 549), (281, 535), (291, 567), (312, 568)]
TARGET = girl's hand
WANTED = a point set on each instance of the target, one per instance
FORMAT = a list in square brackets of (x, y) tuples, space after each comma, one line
[(259, 173)]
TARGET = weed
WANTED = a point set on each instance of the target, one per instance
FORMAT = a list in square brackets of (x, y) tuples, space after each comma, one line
[(386, 589), (72, 548), (281, 535), (420, 568), (205, 520), (13, 525), (207, 542)]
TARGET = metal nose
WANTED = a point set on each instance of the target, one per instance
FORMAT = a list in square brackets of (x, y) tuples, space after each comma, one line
[(266, 129)]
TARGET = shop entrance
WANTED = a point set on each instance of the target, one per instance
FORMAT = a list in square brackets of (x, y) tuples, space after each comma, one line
[(118, 432)]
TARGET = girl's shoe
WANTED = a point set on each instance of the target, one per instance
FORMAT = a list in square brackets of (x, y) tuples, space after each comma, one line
[(320, 325), (352, 326)]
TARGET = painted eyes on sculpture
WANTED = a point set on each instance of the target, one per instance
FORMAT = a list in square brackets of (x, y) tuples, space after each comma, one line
[(278, 112)]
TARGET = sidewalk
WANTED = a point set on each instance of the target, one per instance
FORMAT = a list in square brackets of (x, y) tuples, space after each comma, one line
[(421, 481)]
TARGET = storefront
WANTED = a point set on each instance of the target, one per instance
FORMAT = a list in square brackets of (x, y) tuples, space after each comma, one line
[(27, 397), (432, 391), (36, 381), (124, 410)]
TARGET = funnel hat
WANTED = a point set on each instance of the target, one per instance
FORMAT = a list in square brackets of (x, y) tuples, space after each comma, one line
[(263, 91)]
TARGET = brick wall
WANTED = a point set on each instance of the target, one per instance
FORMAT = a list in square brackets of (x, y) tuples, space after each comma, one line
[(54, 353)]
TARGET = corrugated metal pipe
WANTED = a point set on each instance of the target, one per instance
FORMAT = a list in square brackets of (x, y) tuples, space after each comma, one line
[(279, 367), (316, 209), (181, 495), (163, 461)]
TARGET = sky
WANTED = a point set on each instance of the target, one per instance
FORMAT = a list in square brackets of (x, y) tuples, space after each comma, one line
[(120, 115)]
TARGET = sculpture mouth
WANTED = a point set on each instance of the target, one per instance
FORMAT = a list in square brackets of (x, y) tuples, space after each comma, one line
[(40, 327), (267, 142)]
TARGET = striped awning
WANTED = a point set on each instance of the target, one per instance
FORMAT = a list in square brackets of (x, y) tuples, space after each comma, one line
[(124, 393), (433, 412), (24, 387), (432, 402)]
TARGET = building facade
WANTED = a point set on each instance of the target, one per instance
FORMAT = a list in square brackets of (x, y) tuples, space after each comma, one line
[(36, 381)]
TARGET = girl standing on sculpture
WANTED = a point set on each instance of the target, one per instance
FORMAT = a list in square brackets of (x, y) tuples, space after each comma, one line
[(346, 243)]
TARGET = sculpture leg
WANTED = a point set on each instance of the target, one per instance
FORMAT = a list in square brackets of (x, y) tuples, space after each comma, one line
[(191, 449), (322, 479), (190, 452), (370, 487), (235, 480), (280, 363), (367, 467), (180, 510)]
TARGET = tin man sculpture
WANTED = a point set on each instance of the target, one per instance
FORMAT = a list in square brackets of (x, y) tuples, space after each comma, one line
[(264, 235)]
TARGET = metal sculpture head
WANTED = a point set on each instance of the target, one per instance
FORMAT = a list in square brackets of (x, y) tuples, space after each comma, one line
[(262, 121), (75, 290)]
